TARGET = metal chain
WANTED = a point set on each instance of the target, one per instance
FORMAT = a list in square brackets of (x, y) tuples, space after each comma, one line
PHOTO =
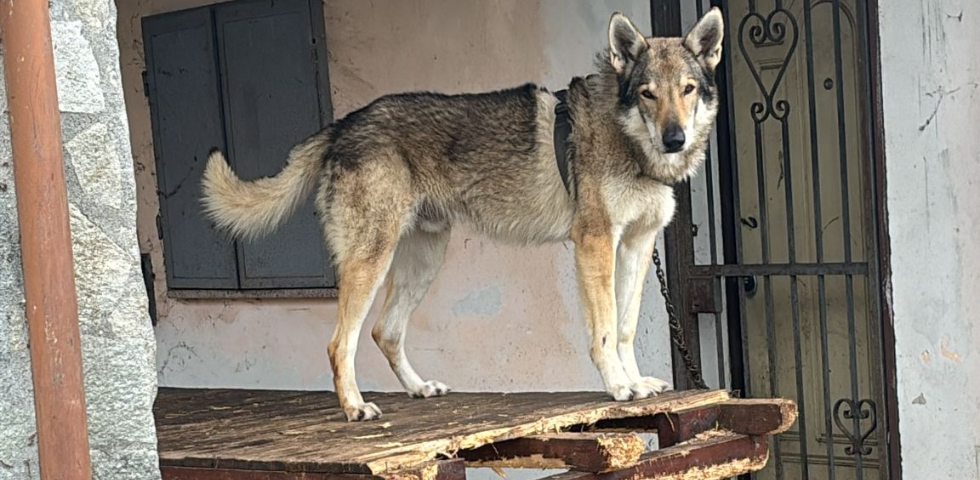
[(677, 334)]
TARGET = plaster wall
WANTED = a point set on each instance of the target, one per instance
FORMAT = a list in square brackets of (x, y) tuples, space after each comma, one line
[(930, 71), (497, 318)]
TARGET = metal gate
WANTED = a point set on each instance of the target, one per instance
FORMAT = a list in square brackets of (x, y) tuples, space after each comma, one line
[(774, 251)]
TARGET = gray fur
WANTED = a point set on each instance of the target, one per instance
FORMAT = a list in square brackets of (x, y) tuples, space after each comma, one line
[(406, 168)]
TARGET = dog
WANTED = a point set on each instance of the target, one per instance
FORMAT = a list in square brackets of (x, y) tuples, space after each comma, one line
[(392, 178)]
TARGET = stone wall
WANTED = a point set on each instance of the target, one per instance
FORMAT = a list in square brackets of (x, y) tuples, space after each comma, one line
[(117, 338)]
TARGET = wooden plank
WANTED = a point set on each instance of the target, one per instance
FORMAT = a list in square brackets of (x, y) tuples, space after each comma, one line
[(588, 452), (307, 431), (712, 456), (676, 427), (454, 469), (745, 416), (757, 416)]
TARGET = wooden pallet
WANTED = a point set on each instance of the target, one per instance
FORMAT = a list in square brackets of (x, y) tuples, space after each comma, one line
[(286, 435)]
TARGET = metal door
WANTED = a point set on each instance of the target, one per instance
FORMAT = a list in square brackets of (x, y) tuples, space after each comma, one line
[(773, 252)]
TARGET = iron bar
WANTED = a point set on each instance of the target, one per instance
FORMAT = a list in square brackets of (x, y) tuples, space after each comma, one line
[(731, 213), (794, 289), (818, 234), (712, 231), (799, 269), (736, 203), (846, 219), (51, 302), (771, 355)]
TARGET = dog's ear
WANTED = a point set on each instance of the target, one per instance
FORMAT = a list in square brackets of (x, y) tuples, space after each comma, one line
[(626, 43), (704, 39)]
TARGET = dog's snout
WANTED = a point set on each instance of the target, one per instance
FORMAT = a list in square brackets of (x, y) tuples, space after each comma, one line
[(674, 139)]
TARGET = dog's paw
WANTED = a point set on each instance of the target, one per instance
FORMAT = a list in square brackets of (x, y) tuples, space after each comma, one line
[(621, 393), (649, 387), (428, 389), (362, 412)]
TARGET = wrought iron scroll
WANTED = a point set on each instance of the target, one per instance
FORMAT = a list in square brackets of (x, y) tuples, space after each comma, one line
[(860, 410), (765, 31)]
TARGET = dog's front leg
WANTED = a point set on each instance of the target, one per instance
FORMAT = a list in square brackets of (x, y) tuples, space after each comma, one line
[(632, 265), (595, 258)]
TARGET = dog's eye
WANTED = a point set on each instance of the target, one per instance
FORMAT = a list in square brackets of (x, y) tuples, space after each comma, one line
[(648, 94), (689, 89)]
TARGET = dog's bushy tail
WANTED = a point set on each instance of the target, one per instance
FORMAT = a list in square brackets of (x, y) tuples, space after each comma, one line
[(251, 209)]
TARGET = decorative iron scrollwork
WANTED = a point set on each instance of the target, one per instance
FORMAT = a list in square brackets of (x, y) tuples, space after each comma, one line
[(857, 413), (764, 31)]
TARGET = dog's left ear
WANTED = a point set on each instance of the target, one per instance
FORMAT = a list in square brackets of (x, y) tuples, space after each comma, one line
[(704, 39), (626, 43)]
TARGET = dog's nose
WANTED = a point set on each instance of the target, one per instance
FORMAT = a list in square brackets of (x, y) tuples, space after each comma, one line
[(674, 139)]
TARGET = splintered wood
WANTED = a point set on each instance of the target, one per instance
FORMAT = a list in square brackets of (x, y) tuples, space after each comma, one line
[(282, 435), (307, 431), (714, 456), (590, 452)]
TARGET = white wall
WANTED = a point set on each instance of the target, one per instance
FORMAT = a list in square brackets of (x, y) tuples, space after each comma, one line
[(931, 69)]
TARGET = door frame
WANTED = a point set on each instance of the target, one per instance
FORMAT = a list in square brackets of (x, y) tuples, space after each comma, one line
[(666, 21)]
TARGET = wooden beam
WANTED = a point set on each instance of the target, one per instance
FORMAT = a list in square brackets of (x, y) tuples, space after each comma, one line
[(715, 456), (744, 416), (51, 303), (757, 416), (677, 427), (454, 469), (589, 452)]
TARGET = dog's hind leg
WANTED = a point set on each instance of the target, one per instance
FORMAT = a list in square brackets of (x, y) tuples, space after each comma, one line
[(632, 265), (360, 276), (368, 209), (417, 260)]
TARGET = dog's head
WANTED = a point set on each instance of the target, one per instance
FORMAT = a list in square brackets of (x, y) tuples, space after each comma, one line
[(667, 85)]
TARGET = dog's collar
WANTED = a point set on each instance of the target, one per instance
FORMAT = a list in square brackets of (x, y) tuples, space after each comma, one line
[(563, 127)]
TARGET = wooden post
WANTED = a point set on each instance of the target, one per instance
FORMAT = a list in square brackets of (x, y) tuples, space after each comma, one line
[(42, 212)]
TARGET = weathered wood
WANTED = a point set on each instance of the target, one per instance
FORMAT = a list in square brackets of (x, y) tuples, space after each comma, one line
[(675, 427), (588, 452), (308, 432), (744, 416), (713, 456), (454, 469), (757, 416)]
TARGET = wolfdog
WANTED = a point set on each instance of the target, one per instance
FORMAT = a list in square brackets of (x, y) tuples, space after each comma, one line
[(392, 178)]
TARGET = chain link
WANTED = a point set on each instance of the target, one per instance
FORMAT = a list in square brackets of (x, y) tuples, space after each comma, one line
[(677, 334)]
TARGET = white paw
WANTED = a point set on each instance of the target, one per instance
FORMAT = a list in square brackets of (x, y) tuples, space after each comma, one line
[(362, 412), (428, 389), (621, 393), (648, 387)]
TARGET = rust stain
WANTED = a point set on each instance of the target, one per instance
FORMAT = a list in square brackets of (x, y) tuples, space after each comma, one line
[(950, 355)]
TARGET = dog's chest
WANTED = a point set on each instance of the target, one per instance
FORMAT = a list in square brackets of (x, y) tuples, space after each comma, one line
[(647, 203)]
